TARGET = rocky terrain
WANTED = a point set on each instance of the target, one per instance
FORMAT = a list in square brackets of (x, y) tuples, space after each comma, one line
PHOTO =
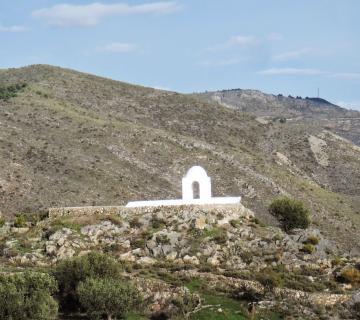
[(73, 139), (222, 256)]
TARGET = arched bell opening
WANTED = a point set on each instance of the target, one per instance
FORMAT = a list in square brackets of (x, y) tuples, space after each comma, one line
[(196, 190)]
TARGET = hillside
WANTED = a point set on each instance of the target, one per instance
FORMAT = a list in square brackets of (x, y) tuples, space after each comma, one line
[(71, 139), (296, 109)]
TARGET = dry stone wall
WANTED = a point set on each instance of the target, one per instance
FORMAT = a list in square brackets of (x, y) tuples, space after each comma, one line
[(237, 209)]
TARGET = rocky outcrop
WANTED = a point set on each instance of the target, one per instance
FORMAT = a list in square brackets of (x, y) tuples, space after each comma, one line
[(224, 240)]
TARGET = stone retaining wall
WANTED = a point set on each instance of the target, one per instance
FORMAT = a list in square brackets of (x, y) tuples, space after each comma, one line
[(83, 211), (123, 211)]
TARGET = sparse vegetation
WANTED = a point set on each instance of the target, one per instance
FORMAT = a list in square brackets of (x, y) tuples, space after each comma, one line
[(291, 213)]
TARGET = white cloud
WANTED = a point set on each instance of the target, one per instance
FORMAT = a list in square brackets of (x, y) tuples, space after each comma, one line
[(236, 41), (12, 28), (292, 72), (64, 15), (117, 47), (289, 55)]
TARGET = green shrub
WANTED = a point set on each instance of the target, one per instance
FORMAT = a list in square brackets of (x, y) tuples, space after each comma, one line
[(336, 261), (7, 92), (2, 222), (308, 248), (135, 223), (235, 223), (27, 296), (156, 222), (115, 219), (61, 223), (35, 218), (186, 304), (20, 221), (314, 240), (291, 213), (217, 234), (270, 279), (162, 239), (221, 238), (107, 296), (69, 273), (246, 256)]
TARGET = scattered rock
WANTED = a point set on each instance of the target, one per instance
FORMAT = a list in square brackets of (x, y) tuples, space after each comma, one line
[(191, 260), (146, 261)]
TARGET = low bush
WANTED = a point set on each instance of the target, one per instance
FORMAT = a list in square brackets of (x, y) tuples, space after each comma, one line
[(291, 213), (350, 275), (270, 279), (7, 92), (69, 273), (108, 297), (115, 219), (156, 222), (308, 248), (217, 234), (186, 304), (2, 222), (28, 296), (61, 223), (135, 223), (235, 223), (314, 240), (246, 256), (35, 218), (221, 238), (162, 239), (20, 221)]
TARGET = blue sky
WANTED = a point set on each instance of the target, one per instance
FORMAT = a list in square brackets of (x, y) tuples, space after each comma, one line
[(277, 46)]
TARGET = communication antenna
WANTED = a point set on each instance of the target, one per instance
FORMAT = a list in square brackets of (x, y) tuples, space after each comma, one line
[(318, 93)]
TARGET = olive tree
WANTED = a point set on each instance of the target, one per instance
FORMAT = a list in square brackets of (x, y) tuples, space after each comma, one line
[(28, 296), (69, 273), (112, 298), (291, 213)]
